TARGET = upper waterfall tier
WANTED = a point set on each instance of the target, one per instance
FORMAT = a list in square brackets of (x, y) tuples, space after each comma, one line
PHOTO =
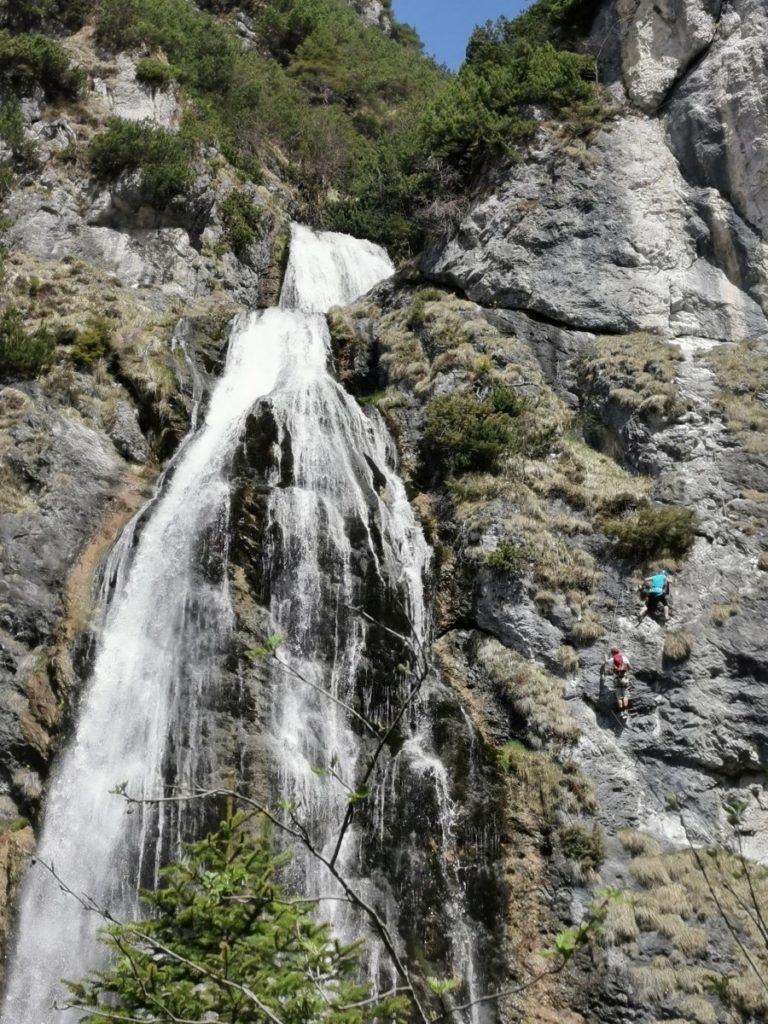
[(327, 269)]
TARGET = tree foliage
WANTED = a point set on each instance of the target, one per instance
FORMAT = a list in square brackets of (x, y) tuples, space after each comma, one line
[(162, 156), (487, 110), (32, 15), (31, 60), (371, 131), (222, 942)]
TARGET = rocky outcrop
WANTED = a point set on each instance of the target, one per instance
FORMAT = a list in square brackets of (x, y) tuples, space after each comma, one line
[(659, 42), (178, 250), (716, 117), (611, 240), (374, 13)]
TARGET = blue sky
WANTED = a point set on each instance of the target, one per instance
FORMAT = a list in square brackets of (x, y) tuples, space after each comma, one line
[(445, 25)]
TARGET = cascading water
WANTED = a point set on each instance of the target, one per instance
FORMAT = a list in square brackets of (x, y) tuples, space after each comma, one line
[(339, 533)]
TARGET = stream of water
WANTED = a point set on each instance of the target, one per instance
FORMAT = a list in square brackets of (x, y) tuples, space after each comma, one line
[(337, 518)]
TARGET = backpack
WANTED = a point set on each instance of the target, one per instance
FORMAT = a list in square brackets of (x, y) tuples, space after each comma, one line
[(658, 583), (619, 665)]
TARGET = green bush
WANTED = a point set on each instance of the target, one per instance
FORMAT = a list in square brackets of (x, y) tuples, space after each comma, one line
[(162, 157), (484, 110), (12, 131), (509, 557), (466, 434), (31, 60), (7, 181), (28, 15), (92, 344), (546, 21), (156, 73), (653, 532), (244, 222), (507, 399), (582, 845), (23, 354)]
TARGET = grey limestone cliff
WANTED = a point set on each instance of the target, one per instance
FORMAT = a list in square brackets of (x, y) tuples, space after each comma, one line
[(639, 256)]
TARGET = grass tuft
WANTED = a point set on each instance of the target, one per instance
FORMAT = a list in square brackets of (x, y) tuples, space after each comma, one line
[(721, 613), (638, 843), (678, 645), (639, 372), (533, 693)]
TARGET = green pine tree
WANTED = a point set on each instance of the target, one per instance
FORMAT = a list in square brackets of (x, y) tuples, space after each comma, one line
[(223, 943)]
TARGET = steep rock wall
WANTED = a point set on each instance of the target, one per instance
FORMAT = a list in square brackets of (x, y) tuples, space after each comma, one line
[(600, 265)]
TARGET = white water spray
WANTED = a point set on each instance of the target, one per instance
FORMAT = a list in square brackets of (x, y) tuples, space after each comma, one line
[(163, 640), (338, 522)]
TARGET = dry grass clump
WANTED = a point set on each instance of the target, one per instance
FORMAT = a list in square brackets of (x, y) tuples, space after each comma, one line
[(556, 565), (699, 1010), (655, 981), (569, 659), (721, 613), (670, 899), (637, 842), (620, 924), (689, 941), (549, 785), (404, 358), (684, 911), (678, 645), (588, 480), (650, 871), (588, 628), (473, 489), (640, 370), (347, 342), (741, 370), (532, 692)]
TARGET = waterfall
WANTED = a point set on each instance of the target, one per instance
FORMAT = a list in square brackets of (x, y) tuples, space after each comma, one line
[(339, 535)]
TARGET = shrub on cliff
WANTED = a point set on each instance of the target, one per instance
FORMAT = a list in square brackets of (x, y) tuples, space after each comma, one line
[(162, 157), (244, 222), (23, 353), (155, 73), (31, 60), (465, 434), (584, 846), (511, 66), (221, 942), (29, 15), (653, 532)]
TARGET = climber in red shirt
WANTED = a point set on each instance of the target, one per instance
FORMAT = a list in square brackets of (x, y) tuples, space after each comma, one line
[(621, 667)]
